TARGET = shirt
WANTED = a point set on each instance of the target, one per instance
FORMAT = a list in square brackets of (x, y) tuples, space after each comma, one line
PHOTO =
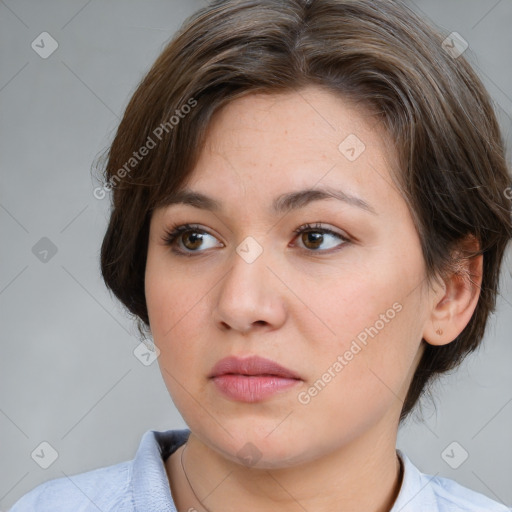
[(141, 485)]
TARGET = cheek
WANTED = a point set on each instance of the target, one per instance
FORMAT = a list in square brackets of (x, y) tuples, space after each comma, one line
[(344, 306), (359, 376), (171, 293), (170, 315), (368, 328), (369, 379), (166, 299), (173, 306)]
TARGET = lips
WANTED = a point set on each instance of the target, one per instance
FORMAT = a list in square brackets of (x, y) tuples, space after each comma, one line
[(251, 366), (252, 379)]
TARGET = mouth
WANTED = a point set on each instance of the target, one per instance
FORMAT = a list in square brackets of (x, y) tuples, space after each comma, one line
[(251, 379), (251, 367)]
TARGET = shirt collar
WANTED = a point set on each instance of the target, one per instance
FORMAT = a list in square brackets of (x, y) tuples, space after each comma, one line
[(415, 493), (150, 485)]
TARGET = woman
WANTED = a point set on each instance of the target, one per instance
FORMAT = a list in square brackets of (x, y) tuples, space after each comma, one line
[(309, 218)]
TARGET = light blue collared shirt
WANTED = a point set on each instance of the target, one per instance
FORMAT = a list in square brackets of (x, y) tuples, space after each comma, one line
[(141, 485)]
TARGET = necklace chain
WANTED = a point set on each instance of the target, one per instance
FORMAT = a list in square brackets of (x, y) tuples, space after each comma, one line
[(400, 477), (188, 481)]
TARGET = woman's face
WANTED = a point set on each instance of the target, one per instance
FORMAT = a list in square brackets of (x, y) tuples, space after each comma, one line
[(343, 310)]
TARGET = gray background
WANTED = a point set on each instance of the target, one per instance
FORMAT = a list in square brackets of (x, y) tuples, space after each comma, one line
[(68, 373)]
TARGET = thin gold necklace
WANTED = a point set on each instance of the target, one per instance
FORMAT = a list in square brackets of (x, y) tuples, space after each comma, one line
[(400, 477), (189, 484)]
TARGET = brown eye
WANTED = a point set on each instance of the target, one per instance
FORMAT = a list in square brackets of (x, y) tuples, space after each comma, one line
[(187, 239), (313, 237), (193, 238)]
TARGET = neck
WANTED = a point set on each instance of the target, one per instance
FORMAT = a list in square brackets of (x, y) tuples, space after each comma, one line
[(365, 475)]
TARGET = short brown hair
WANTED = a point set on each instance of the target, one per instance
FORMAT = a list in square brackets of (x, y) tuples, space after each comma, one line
[(378, 53)]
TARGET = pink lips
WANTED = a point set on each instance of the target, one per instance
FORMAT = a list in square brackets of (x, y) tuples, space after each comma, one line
[(251, 379)]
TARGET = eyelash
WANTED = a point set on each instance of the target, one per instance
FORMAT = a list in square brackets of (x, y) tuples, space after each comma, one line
[(171, 235)]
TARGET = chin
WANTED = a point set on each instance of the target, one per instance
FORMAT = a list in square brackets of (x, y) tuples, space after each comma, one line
[(259, 447)]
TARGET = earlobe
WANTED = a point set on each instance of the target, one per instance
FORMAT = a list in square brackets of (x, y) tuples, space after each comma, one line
[(454, 304)]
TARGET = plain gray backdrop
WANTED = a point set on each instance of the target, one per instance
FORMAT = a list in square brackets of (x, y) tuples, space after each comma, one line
[(69, 376)]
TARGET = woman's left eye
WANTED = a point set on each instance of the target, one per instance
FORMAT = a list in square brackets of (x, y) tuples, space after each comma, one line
[(312, 238)]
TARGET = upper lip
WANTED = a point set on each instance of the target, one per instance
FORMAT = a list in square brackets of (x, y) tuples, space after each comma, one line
[(253, 365)]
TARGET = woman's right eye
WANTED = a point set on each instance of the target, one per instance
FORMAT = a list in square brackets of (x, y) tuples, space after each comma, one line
[(186, 239)]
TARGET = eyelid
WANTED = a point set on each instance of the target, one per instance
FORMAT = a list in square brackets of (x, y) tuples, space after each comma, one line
[(172, 233), (318, 226)]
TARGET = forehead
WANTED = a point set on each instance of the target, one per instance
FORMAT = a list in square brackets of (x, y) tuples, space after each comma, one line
[(263, 145)]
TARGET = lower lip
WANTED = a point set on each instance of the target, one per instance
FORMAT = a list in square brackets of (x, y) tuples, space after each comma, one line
[(252, 388)]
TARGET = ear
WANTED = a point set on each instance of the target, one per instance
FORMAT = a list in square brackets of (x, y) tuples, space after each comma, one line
[(454, 303)]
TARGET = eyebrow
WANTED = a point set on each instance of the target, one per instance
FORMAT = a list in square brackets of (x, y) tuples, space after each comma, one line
[(282, 204)]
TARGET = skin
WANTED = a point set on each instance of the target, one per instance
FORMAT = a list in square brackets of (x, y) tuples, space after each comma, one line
[(300, 303)]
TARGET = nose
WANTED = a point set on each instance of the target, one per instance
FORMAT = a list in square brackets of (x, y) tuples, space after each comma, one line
[(250, 296)]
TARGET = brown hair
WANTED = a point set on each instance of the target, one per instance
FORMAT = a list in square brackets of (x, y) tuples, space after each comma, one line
[(380, 54)]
